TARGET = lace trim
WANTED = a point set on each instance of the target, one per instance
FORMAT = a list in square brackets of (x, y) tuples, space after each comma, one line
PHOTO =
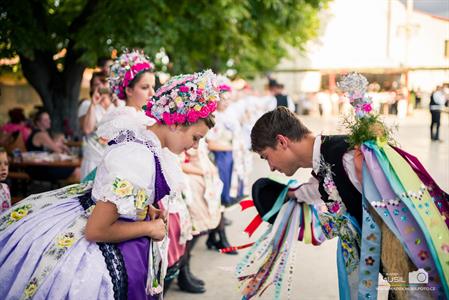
[(130, 136), (113, 258), (117, 270), (123, 118)]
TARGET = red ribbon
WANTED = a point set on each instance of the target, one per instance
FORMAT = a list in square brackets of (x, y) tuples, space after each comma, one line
[(244, 204), (253, 225), (233, 248)]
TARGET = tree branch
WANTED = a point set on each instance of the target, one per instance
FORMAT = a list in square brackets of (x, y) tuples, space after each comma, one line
[(81, 19), (40, 72)]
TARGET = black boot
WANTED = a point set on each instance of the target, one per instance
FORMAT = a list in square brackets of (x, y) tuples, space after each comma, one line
[(212, 241), (189, 247), (186, 283), (195, 279), (223, 242)]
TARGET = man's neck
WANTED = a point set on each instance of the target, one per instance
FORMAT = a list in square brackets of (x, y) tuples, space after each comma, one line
[(303, 150)]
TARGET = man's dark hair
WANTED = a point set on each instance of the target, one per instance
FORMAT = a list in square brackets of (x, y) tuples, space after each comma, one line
[(278, 121)]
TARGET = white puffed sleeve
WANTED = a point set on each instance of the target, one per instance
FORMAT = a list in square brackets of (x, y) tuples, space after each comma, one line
[(126, 178), (308, 192)]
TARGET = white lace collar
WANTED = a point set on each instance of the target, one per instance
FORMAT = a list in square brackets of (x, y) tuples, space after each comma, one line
[(123, 118)]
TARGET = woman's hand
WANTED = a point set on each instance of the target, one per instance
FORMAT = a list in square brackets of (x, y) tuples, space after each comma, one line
[(156, 213), (157, 229)]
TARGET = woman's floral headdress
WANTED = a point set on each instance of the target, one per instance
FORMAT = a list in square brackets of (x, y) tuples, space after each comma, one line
[(185, 99), (125, 69), (366, 125), (224, 84)]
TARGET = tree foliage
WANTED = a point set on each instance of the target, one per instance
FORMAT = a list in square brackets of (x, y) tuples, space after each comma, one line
[(250, 35)]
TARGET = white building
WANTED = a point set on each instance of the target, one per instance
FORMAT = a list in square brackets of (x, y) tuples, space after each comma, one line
[(379, 38)]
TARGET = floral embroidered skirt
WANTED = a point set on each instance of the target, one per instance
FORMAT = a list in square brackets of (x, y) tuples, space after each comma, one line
[(44, 255)]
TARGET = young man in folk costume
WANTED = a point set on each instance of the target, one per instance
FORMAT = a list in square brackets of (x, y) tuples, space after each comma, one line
[(389, 214)]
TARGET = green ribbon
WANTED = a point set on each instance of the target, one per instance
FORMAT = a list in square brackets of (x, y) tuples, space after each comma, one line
[(429, 217)]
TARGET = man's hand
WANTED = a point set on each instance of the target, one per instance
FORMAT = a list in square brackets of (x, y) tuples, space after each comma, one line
[(291, 194)]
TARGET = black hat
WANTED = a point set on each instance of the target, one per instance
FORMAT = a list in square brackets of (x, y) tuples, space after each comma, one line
[(265, 193), (272, 82)]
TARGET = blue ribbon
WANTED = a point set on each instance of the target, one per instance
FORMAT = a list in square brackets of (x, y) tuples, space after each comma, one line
[(370, 249), (90, 177), (279, 201)]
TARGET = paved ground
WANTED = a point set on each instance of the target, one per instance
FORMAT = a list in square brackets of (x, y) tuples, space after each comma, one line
[(315, 275)]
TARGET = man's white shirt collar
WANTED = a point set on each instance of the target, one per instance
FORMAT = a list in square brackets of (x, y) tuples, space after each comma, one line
[(316, 156)]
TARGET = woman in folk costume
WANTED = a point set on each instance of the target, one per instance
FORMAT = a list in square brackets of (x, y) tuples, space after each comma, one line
[(221, 143), (387, 211), (204, 204), (105, 239), (132, 80)]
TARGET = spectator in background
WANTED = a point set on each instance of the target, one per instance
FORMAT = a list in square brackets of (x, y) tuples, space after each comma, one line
[(90, 114), (280, 99), (104, 63), (436, 105), (17, 125), (40, 138)]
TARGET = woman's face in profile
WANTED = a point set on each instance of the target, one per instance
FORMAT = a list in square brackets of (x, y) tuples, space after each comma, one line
[(45, 121)]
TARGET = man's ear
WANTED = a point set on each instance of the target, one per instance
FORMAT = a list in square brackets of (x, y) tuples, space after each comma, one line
[(282, 141)]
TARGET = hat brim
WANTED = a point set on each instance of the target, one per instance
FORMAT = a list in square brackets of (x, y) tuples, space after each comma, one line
[(265, 192)]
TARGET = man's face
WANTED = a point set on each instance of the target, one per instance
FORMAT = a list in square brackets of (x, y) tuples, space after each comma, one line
[(280, 159)]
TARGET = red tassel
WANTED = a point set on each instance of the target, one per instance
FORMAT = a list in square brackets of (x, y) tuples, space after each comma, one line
[(233, 248), (253, 225), (244, 204)]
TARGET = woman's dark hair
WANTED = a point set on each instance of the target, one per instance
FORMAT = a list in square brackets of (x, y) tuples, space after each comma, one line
[(16, 115), (95, 75), (37, 116), (278, 121)]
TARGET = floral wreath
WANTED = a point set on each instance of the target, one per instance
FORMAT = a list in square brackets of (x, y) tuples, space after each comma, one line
[(367, 124), (185, 99), (224, 84), (125, 69)]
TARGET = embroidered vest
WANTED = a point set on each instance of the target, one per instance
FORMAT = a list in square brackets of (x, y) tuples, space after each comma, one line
[(332, 150)]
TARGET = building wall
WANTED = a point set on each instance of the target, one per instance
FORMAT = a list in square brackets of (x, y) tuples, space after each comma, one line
[(370, 36)]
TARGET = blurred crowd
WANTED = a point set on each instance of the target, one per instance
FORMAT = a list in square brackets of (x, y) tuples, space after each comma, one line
[(23, 133)]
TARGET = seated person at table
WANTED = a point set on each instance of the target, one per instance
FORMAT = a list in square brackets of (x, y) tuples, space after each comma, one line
[(15, 133), (41, 140)]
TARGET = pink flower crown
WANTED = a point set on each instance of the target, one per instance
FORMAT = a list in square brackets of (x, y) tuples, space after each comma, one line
[(224, 84), (354, 85), (125, 69), (185, 99)]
